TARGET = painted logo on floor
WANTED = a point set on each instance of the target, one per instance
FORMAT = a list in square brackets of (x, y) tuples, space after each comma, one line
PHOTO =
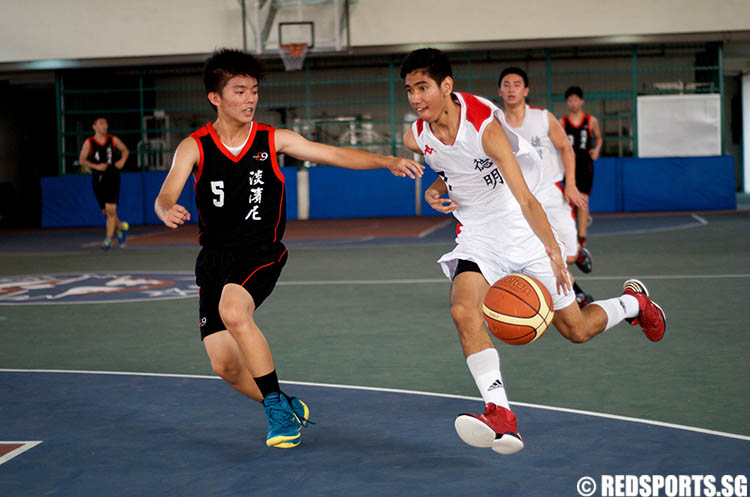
[(95, 288)]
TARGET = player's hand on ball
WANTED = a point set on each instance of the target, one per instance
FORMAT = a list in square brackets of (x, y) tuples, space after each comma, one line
[(561, 271), (177, 216), (440, 204), (405, 167)]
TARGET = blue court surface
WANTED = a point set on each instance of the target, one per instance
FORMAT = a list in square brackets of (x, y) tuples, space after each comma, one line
[(114, 434)]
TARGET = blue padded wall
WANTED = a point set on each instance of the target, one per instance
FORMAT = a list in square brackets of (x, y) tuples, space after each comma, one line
[(69, 201), (620, 184), (679, 183), (344, 193)]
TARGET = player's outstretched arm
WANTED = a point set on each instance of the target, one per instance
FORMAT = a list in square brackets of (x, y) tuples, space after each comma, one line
[(124, 152), (560, 140), (496, 145), (166, 207), (290, 143)]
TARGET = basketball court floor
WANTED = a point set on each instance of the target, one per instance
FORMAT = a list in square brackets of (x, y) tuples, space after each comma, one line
[(105, 388)]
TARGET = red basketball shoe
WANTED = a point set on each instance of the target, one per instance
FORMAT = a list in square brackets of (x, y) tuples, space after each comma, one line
[(651, 317), (495, 428)]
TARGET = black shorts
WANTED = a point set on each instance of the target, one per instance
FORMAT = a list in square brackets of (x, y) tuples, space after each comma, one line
[(464, 266), (106, 188), (257, 272), (584, 173)]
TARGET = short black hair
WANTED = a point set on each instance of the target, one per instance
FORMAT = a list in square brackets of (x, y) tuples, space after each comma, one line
[(226, 63), (574, 90), (513, 70), (97, 117), (434, 62)]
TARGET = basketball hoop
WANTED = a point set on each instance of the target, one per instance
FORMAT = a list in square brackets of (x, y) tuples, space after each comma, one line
[(293, 55)]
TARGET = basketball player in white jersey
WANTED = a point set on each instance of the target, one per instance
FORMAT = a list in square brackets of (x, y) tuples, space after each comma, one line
[(484, 168), (540, 128)]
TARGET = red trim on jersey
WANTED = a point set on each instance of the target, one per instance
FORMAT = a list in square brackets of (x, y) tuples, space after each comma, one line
[(277, 170), (476, 111), (583, 119), (537, 108), (420, 127), (261, 267), (106, 140), (197, 136), (272, 148), (223, 149)]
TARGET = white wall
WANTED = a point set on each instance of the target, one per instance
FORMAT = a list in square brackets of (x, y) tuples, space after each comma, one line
[(431, 21), (74, 29)]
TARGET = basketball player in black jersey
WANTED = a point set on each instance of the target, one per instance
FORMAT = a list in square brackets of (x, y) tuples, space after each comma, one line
[(580, 128), (97, 154), (242, 213)]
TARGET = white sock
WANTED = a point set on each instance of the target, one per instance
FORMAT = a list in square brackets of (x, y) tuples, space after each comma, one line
[(618, 308), (485, 368)]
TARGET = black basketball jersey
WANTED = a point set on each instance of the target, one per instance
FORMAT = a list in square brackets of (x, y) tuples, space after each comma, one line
[(241, 199), (579, 136), (103, 153)]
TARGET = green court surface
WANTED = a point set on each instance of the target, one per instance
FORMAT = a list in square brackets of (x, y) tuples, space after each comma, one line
[(377, 315)]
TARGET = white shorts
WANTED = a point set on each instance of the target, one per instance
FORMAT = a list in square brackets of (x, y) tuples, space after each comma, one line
[(561, 217), (497, 259)]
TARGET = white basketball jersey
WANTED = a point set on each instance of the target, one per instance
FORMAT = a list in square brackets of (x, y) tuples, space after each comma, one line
[(535, 129), (474, 181)]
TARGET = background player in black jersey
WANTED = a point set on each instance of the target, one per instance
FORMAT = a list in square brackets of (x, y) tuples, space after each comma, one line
[(580, 127), (242, 210), (97, 154)]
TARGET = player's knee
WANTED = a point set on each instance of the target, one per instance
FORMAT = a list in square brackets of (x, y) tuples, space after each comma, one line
[(232, 315), (229, 370), (575, 333), (465, 316)]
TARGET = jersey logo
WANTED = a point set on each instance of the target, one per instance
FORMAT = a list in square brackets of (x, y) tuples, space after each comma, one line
[(261, 156), (256, 194), (493, 178), (482, 164), (428, 150)]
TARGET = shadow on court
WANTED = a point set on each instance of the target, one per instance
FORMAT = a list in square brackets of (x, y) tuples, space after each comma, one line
[(112, 434)]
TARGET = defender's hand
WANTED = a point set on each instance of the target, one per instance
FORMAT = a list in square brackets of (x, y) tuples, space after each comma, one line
[(177, 216), (405, 167)]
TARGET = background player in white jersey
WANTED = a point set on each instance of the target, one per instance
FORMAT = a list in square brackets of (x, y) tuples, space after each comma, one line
[(482, 164), (540, 128)]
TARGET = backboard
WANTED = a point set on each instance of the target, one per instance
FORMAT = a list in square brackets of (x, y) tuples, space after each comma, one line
[(321, 24)]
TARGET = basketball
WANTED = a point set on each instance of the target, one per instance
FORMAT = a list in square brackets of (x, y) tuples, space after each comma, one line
[(518, 309)]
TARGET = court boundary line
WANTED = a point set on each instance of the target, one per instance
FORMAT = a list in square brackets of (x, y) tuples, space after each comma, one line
[(20, 450), (617, 417), (412, 281)]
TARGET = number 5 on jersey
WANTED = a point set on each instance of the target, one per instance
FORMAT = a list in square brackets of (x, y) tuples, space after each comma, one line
[(217, 187)]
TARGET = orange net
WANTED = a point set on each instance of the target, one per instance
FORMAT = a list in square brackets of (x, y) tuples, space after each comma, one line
[(293, 55)]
